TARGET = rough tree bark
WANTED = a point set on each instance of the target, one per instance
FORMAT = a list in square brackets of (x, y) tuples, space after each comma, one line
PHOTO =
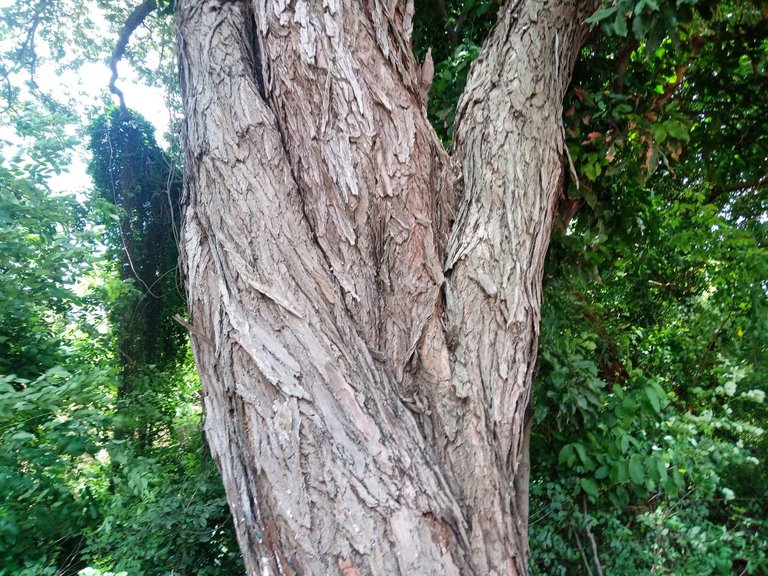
[(364, 307)]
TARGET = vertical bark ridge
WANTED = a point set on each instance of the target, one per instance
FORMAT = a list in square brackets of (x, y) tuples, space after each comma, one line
[(343, 83), (324, 469), (509, 145)]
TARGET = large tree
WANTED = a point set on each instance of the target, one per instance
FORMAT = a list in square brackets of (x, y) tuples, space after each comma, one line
[(364, 307)]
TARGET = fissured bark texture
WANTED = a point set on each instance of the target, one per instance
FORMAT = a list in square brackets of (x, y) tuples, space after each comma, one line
[(364, 307)]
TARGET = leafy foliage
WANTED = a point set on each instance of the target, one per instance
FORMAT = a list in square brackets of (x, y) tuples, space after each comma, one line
[(164, 509), (659, 435), (52, 421), (653, 443), (102, 460), (40, 254), (52, 427), (170, 515)]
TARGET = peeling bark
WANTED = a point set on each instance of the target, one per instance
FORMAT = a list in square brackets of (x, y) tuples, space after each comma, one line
[(509, 146), (364, 328)]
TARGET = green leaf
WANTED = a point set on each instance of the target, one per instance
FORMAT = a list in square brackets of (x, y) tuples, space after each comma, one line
[(583, 456), (589, 486), (636, 470), (620, 25), (640, 6), (619, 473), (602, 14), (567, 455), (601, 473), (653, 398), (624, 443), (677, 130)]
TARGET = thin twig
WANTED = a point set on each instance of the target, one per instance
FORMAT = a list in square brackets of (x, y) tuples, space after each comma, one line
[(718, 191), (581, 549), (194, 331), (591, 537)]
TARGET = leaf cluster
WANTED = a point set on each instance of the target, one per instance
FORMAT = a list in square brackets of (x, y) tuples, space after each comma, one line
[(102, 461)]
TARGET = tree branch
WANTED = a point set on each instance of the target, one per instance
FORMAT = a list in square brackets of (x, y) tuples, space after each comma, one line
[(581, 550), (138, 16), (623, 59), (718, 191), (591, 537), (28, 46)]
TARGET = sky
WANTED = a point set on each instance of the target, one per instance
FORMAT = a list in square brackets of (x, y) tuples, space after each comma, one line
[(86, 88)]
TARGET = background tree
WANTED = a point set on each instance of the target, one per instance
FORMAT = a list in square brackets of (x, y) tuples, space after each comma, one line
[(132, 173)]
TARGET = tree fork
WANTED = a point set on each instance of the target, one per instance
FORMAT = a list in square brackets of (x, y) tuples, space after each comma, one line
[(367, 348)]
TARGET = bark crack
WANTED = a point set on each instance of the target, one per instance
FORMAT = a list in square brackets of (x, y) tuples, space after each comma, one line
[(252, 35)]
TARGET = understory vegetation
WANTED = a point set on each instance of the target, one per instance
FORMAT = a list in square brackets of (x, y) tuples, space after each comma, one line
[(648, 448)]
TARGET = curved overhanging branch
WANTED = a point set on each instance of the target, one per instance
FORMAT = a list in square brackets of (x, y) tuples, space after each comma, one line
[(133, 21)]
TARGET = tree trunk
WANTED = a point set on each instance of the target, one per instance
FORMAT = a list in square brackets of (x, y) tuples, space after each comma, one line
[(364, 308)]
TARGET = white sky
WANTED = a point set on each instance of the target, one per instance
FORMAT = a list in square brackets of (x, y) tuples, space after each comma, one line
[(87, 87)]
